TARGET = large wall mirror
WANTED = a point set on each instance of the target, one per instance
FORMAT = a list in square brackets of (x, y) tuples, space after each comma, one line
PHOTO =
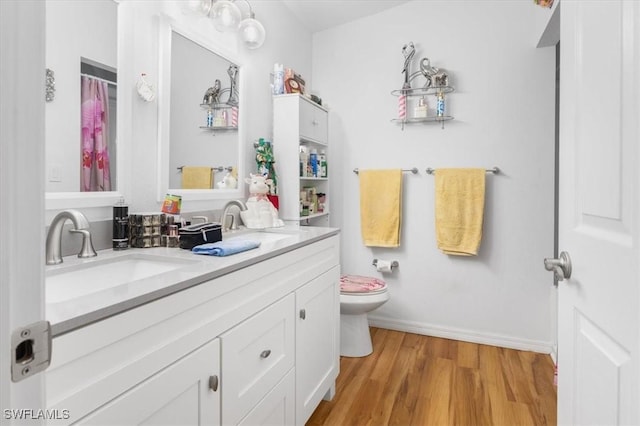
[(81, 122), (201, 116)]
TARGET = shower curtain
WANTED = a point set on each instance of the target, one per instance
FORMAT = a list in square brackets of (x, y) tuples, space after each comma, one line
[(95, 174)]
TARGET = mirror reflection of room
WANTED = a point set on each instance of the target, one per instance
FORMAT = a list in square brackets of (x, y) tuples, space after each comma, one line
[(98, 97), (81, 128), (204, 117)]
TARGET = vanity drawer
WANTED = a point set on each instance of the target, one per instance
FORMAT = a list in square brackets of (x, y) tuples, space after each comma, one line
[(256, 355)]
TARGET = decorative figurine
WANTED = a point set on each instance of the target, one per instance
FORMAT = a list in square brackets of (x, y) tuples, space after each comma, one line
[(212, 95), (233, 91), (260, 212), (408, 50)]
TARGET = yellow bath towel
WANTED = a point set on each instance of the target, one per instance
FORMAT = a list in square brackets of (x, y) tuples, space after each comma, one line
[(380, 207), (196, 177), (459, 207)]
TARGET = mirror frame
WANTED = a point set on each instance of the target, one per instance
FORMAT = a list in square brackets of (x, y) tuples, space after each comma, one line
[(54, 201), (167, 27)]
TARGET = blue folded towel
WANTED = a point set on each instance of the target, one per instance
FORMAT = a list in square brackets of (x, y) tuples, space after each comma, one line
[(226, 248)]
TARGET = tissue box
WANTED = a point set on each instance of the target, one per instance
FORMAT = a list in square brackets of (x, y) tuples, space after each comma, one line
[(201, 233)]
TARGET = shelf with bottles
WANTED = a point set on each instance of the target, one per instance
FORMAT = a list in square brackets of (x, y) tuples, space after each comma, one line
[(313, 202), (220, 117), (313, 162), (305, 220), (420, 111), (215, 128), (313, 178), (423, 91)]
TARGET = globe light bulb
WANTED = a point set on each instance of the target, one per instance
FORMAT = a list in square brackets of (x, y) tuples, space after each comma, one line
[(252, 33), (225, 16)]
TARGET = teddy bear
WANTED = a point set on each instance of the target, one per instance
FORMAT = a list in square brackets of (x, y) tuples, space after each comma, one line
[(260, 212)]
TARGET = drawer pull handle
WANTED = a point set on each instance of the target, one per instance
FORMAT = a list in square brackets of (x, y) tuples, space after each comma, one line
[(213, 383), (303, 314), (265, 353)]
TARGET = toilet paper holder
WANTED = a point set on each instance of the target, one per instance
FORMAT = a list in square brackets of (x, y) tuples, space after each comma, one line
[(394, 264)]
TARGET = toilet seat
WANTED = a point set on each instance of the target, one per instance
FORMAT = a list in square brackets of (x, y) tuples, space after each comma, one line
[(361, 286)]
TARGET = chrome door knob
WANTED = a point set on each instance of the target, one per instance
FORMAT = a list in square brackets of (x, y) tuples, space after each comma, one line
[(561, 267)]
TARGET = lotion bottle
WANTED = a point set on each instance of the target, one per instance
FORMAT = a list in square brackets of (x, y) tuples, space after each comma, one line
[(120, 236)]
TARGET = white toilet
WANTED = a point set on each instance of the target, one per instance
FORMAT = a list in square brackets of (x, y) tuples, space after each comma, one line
[(358, 296)]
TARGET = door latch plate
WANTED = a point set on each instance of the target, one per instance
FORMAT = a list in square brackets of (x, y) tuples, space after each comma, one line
[(30, 350)]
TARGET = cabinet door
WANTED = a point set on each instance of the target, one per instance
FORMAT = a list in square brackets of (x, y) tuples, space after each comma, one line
[(256, 355), (317, 341), (277, 408), (313, 122), (178, 395)]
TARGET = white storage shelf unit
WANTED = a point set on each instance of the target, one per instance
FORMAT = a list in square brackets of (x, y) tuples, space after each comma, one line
[(297, 121)]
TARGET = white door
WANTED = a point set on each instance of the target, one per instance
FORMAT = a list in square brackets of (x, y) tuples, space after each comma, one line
[(599, 207), (22, 71)]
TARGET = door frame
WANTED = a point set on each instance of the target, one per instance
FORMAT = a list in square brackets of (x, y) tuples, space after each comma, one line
[(22, 109)]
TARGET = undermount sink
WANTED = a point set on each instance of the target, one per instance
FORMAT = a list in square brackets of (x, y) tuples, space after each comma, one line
[(70, 282)]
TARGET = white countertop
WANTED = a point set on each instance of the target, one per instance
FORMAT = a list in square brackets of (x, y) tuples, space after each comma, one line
[(75, 312)]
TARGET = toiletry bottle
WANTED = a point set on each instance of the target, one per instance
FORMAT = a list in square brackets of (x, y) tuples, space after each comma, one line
[(120, 236), (322, 158), (304, 161), (313, 160), (278, 79), (440, 104), (420, 111), (209, 117)]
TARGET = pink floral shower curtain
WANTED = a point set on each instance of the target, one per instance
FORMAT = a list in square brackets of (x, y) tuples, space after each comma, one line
[(95, 174)]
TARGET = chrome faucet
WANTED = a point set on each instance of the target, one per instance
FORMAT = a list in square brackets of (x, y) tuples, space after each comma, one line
[(54, 236), (225, 213)]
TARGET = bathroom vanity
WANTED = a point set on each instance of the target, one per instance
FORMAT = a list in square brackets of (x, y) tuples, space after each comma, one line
[(251, 338)]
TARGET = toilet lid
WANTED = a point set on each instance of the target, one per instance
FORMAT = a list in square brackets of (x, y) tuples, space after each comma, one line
[(360, 284)]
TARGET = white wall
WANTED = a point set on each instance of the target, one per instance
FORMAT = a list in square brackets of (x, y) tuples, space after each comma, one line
[(504, 116), (287, 42)]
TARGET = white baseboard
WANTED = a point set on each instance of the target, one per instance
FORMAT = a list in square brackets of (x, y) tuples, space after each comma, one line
[(463, 335), (554, 353)]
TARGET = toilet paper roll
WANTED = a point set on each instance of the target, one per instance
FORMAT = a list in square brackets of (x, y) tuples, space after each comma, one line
[(383, 265)]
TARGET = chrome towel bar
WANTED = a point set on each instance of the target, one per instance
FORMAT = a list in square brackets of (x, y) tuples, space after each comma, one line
[(413, 170), (494, 170), (217, 169)]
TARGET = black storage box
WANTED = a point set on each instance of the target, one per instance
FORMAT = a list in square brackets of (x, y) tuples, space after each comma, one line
[(201, 233)]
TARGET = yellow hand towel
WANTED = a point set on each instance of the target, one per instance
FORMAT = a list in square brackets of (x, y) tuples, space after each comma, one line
[(459, 207), (380, 207), (196, 177)]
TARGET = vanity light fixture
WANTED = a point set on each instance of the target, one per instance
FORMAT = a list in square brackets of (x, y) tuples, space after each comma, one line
[(251, 30), (226, 17)]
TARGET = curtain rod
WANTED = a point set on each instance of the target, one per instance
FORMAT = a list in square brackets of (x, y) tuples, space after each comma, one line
[(113, 83)]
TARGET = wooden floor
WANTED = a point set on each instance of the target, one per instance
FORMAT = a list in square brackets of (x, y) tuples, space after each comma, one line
[(412, 379)]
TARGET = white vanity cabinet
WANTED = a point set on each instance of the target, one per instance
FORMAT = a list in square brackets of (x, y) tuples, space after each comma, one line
[(317, 345), (258, 353), (184, 393), (231, 350)]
